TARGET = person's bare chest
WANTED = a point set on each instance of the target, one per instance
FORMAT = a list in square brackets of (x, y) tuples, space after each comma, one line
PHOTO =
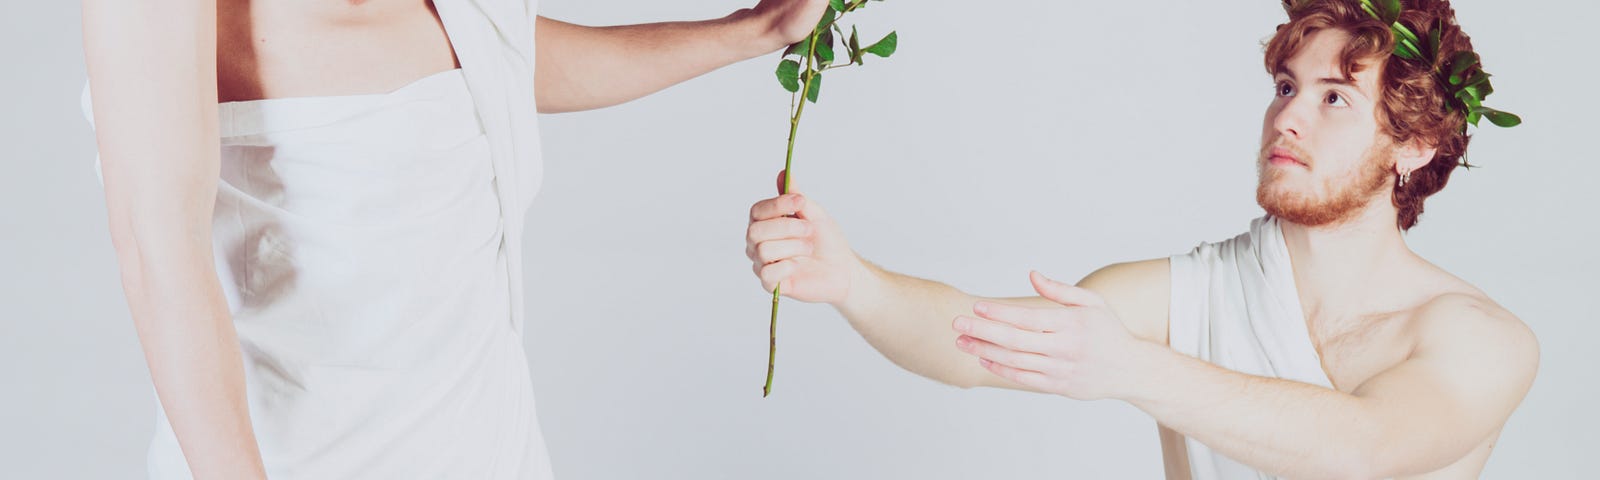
[(299, 48), (1354, 349), (1359, 349)]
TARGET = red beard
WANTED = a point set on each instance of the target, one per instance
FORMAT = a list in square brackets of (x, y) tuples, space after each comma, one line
[(1342, 198)]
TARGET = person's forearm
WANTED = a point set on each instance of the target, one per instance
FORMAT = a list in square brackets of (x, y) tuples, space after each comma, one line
[(908, 320), (584, 68), (1281, 427), (152, 71), (193, 353)]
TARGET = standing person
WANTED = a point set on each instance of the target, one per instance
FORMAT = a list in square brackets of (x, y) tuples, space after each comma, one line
[(317, 208), (1315, 345)]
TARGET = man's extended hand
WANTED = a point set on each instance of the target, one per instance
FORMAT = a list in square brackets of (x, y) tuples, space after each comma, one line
[(1081, 351), (794, 243)]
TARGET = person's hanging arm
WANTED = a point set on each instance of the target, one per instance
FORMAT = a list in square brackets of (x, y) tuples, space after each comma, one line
[(153, 76), (584, 68)]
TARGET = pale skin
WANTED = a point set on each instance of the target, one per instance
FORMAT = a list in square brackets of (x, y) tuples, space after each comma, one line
[(1426, 368), (158, 69)]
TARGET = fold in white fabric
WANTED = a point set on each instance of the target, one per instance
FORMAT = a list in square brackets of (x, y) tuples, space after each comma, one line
[(1234, 304)]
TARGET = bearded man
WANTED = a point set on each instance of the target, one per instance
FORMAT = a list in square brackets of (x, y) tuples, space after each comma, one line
[(1315, 345)]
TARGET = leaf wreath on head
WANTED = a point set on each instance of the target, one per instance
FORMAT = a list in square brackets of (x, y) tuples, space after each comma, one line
[(1468, 84)]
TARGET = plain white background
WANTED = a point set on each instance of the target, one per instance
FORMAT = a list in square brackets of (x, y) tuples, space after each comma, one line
[(1004, 137)]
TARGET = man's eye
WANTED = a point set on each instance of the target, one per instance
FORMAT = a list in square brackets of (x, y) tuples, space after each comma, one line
[(1336, 100), (1285, 89)]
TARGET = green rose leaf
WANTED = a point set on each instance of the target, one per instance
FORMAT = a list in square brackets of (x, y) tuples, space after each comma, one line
[(827, 18), (886, 47), (789, 75), (799, 48), (825, 48), (814, 87), (855, 46)]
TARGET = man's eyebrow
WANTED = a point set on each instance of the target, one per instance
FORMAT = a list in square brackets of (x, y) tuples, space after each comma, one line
[(1340, 81), (1282, 70), (1351, 82)]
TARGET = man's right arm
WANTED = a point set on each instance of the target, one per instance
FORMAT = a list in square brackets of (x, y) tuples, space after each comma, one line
[(795, 244), (152, 72)]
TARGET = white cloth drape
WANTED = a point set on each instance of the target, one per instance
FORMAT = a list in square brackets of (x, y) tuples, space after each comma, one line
[(1234, 304), (370, 250)]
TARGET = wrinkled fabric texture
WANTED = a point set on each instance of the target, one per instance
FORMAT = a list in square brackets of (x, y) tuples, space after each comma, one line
[(370, 250), (1234, 304)]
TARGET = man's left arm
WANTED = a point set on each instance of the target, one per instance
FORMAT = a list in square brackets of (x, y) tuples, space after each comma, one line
[(1471, 366), (583, 68), (1469, 370)]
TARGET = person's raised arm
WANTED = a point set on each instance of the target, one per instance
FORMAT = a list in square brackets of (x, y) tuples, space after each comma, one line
[(584, 68), (153, 75)]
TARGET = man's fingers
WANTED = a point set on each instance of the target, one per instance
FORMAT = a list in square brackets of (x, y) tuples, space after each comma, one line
[(995, 353), (774, 274), (783, 176), (778, 250), (780, 206), (1026, 318), (1027, 378), (1002, 334), (1063, 293), (810, 210), (781, 228)]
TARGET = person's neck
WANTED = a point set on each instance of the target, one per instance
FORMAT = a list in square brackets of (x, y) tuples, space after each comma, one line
[(1338, 266)]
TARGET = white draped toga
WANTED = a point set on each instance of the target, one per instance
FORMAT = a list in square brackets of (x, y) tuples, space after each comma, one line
[(1234, 304), (370, 250)]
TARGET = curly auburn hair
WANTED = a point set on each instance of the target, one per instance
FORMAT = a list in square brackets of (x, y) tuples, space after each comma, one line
[(1414, 105)]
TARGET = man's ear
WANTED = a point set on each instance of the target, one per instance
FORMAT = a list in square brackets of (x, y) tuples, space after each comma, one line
[(1412, 155)]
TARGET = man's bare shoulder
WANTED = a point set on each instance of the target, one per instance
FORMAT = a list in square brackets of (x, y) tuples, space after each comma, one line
[(1469, 319), (1139, 292)]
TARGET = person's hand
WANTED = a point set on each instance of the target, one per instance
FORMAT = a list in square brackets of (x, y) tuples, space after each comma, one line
[(796, 245), (786, 22), (1081, 351)]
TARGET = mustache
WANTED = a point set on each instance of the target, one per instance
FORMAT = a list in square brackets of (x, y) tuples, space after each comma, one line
[(1293, 149)]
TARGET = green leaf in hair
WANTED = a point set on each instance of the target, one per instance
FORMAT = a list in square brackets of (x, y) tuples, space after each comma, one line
[(1469, 87)]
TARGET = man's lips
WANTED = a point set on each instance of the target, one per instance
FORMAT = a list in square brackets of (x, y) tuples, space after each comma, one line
[(1282, 156)]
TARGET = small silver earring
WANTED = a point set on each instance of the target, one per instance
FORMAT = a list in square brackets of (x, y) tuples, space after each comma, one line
[(1405, 177)]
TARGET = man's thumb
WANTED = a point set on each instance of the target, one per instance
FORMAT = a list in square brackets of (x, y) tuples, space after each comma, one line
[(1062, 293)]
